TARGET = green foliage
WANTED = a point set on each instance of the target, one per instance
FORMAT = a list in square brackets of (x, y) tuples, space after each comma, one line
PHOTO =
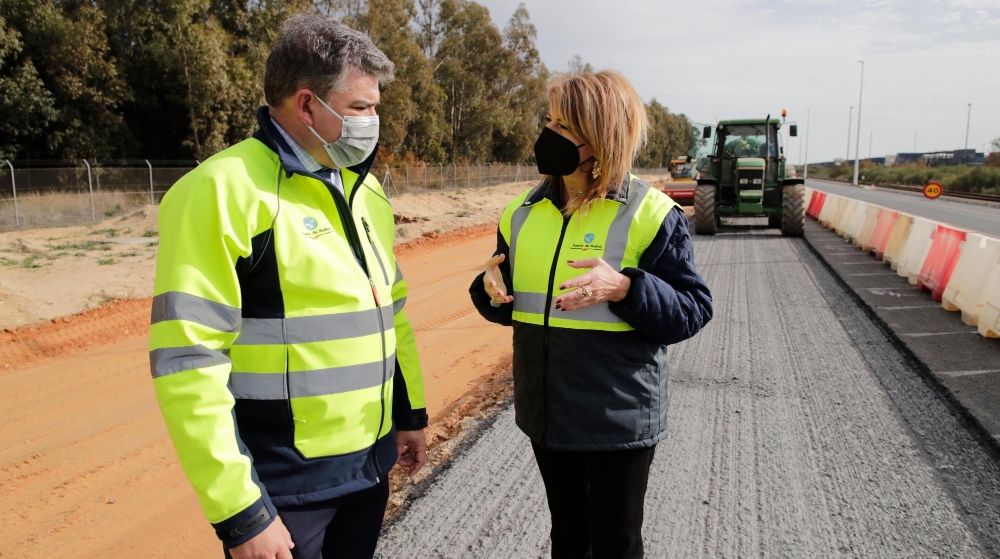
[(181, 79), (670, 135), (105, 261), (955, 178)]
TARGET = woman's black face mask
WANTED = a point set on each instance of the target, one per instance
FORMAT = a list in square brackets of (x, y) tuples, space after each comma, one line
[(556, 155)]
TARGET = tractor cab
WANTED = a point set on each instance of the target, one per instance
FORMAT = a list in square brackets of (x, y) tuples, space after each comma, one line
[(746, 176)]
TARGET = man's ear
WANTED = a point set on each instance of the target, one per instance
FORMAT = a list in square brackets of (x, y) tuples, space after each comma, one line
[(302, 101)]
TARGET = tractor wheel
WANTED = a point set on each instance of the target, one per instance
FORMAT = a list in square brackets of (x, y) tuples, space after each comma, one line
[(705, 222), (793, 210), (774, 222)]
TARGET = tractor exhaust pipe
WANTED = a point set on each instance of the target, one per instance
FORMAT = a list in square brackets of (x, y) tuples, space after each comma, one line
[(767, 149)]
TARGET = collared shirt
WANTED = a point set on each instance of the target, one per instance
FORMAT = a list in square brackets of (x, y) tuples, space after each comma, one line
[(308, 161)]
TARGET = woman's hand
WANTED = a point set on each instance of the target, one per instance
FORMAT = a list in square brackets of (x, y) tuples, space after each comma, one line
[(493, 281), (601, 283)]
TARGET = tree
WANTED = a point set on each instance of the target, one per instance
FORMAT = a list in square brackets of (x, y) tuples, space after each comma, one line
[(993, 159), (26, 106), (523, 87), (670, 135), (59, 62)]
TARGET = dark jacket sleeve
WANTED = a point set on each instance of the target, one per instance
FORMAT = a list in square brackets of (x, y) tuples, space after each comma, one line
[(403, 415), (668, 301), (502, 314)]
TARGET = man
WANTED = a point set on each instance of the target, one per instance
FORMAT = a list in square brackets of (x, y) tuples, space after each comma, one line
[(283, 364)]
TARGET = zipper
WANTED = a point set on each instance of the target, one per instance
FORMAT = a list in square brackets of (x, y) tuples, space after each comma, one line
[(545, 331), (378, 258)]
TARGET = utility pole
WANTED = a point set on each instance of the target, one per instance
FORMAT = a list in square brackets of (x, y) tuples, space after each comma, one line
[(857, 143), (968, 124), (806, 172), (870, 136), (850, 117)]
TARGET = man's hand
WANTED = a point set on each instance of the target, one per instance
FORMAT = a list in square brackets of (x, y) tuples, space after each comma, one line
[(412, 448), (273, 543)]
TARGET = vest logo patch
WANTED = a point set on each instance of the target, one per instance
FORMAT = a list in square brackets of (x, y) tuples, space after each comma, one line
[(588, 244), (309, 223), (313, 230)]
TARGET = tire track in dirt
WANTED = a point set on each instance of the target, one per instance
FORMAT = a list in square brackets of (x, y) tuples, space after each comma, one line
[(87, 469)]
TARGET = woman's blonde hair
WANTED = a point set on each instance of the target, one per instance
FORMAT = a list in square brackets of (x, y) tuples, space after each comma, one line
[(606, 112)]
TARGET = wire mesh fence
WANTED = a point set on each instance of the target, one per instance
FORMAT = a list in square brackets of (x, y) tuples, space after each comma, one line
[(54, 193)]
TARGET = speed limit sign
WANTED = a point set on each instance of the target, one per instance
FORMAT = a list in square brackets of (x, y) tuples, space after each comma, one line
[(933, 190)]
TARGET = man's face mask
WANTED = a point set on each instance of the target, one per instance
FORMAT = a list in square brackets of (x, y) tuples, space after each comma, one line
[(556, 155), (358, 139)]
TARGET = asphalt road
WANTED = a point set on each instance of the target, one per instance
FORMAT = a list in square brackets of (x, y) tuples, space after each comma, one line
[(797, 430), (973, 217)]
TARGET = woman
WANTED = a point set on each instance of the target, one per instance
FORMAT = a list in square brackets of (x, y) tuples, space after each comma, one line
[(602, 279)]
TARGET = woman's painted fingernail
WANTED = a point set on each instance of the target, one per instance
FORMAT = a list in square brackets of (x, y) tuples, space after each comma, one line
[(571, 261)]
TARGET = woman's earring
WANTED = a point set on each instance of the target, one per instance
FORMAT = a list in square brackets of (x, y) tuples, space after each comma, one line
[(596, 171)]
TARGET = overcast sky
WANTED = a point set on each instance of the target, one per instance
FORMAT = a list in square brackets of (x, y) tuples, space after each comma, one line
[(925, 61)]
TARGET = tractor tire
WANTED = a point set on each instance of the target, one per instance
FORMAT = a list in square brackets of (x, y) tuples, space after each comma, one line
[(705, 222), (793, 210)]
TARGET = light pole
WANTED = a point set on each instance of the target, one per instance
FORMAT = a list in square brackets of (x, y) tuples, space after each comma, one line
[(915, 142), (806, 171), (858, 141), (870, 136), (968, 123), (850, 117)]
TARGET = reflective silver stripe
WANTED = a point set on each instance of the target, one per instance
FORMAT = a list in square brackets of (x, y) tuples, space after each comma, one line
[(614, 251), (257, 386), (399, 275), (321, 328), (534, 303), (517, 220), (338, 380), (398, 305), (170, 360), (175, 305)]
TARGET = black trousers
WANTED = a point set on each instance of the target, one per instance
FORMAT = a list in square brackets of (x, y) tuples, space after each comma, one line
[(343, 528), (596, 501)]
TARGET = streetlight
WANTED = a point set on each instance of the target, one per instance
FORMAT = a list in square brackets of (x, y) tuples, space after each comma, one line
[(850, 117), (806, 172), (858, 141), (968, 123), (870, 136), (915, 142)]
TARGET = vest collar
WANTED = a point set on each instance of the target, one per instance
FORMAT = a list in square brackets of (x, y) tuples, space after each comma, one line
[(546, 190), (268, 134)]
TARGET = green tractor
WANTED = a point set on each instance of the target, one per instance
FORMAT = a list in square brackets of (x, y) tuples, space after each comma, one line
[(746, 177)]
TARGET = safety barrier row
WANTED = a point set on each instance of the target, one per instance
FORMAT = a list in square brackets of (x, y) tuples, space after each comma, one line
[(960, 269)]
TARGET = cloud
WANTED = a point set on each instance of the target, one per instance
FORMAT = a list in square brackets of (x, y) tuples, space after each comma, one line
[(925, 60)]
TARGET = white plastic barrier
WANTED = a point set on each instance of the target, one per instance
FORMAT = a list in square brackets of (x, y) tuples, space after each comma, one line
[(853, 230), (975, 274), (871, 218), (897, 241), (916, 249), (831, 207), (844, 219), (989, 318)]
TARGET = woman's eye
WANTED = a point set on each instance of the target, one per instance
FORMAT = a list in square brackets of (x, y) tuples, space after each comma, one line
[(547, 119), (563, 127)]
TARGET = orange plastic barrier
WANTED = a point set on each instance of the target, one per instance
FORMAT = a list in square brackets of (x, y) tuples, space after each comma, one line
[(941, 261), (815, 202), (883, 229)]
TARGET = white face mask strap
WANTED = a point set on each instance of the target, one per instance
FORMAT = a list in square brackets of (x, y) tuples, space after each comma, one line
[(329, 108), (315, 133)]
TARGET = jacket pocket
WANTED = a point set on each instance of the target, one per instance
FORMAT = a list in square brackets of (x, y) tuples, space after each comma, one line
[(606, 397)]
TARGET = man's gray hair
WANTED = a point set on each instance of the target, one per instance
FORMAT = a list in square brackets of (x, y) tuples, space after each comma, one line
[(318, 53)]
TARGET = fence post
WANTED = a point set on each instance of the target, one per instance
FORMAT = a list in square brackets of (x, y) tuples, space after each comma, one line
[(518, 175), (152, 200), (90, 183), (407, 167), (13, 187), (491, 174)]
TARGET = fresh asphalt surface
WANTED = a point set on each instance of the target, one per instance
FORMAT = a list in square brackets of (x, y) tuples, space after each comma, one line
[(798, 428), (973, 217)]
